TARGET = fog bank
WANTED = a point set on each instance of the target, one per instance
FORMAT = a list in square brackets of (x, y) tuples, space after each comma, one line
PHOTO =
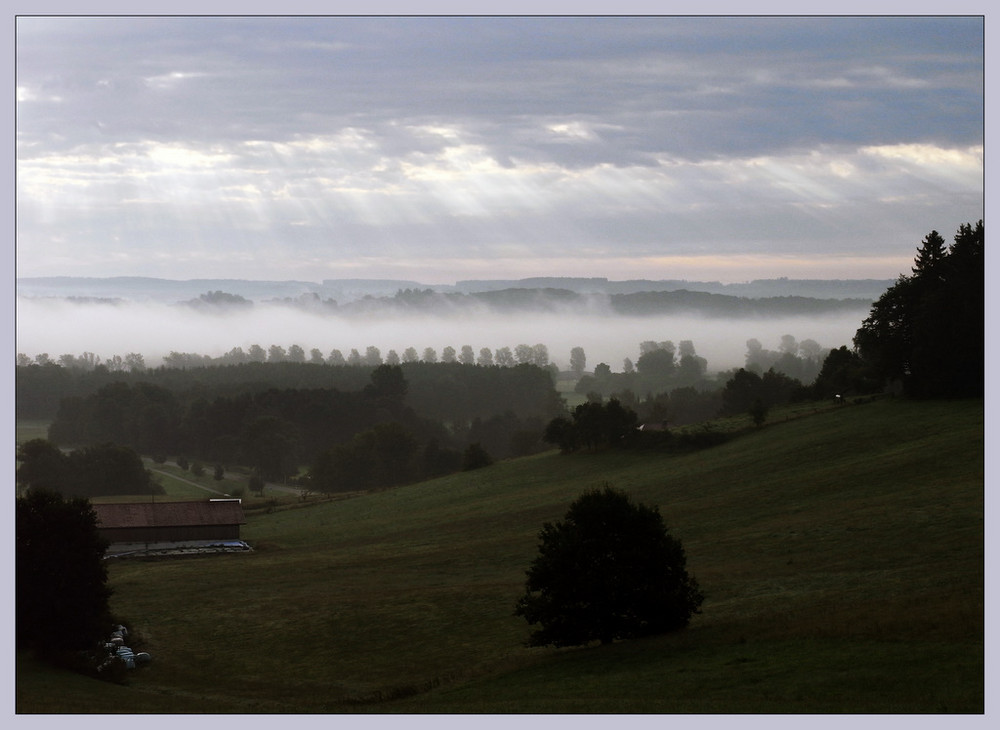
[(58, 327)]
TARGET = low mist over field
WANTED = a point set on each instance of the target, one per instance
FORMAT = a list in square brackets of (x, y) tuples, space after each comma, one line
[(57, 326)]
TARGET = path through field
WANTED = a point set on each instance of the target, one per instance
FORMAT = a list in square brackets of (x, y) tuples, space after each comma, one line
[(187, 481), (270, 485)]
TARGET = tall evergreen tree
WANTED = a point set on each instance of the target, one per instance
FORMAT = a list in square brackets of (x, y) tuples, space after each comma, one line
[(930, 256), (927, 330)]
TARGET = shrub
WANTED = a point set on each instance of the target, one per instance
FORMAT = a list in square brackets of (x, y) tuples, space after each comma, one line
[(609, 571)]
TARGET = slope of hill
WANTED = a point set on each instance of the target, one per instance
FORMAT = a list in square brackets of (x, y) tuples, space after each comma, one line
[(841, 555)]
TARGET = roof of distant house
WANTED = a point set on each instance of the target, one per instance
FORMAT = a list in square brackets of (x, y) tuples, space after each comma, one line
[(169, 514)]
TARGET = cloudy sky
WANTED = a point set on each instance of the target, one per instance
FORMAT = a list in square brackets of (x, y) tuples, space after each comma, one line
[(439, 149)]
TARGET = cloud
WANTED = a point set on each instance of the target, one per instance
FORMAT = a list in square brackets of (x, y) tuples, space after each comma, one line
[(291, 140)]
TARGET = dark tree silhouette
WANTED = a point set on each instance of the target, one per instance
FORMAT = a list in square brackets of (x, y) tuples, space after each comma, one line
[(61, 582), (93, 471), (843, 373), (594, 426), (609, 570), (758, 412), (927, 330), (475, 457), (43, 466)]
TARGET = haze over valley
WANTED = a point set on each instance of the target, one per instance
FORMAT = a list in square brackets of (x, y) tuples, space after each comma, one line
[(155, 317)]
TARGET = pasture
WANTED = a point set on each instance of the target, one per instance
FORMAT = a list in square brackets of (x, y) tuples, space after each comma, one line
[(841, 554)]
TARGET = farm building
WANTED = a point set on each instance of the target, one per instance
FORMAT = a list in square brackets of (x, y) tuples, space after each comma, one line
[(144, 527)]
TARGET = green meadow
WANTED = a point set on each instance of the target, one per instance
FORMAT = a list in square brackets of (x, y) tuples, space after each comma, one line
[(841, 554)]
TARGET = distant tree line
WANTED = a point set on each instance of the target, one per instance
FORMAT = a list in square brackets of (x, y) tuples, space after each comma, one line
[(799, 360), (659, 368), (133, 362), (248, 418), (670, 384), (40, 388)]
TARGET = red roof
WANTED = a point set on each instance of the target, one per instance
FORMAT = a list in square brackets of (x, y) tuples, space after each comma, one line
[(169, 514)]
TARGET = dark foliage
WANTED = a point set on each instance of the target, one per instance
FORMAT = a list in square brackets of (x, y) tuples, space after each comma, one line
[(797, 360), (475, 457), (927, 331), (506, 434), (593, 426), (220, 414), (61, 580), (745, 388), (609, 570), (844, 373), (657, 371), (384, 456), (93, 471)]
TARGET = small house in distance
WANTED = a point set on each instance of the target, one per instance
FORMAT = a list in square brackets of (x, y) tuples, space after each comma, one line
[(144, 528)]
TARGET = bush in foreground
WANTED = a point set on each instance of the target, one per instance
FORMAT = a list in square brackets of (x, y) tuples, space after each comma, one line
[(609, 571)]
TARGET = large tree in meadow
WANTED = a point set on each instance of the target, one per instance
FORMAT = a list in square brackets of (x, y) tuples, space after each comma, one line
[(610, 570)]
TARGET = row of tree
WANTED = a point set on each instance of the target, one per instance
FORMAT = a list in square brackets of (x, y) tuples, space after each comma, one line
[(372, 357), (659, 368), (662, 367), (800, 360), (132, 362)]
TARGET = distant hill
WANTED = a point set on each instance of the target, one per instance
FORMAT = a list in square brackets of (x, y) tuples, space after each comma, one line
[(346, 291), (870, 289), (146, 289)]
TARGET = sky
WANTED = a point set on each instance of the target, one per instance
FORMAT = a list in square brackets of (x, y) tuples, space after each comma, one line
[(438, 149)]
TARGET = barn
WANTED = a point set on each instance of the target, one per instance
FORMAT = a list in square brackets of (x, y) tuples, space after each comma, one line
[(146, 527)]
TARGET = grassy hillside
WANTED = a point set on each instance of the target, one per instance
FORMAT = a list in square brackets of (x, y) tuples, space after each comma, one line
[(841, 555)]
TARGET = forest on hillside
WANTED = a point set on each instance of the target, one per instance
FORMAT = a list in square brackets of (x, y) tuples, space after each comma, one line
[(275, 417)]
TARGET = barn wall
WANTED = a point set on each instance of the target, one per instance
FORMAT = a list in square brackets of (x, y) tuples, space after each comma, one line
[(172, 534)]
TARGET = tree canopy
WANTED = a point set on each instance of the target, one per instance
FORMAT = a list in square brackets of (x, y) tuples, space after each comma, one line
[(609, 570), (593, 426), (92, 471), (61, 582), (927, 331)]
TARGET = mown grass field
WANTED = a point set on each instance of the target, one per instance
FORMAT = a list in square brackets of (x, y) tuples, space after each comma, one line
[(841, 554)]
